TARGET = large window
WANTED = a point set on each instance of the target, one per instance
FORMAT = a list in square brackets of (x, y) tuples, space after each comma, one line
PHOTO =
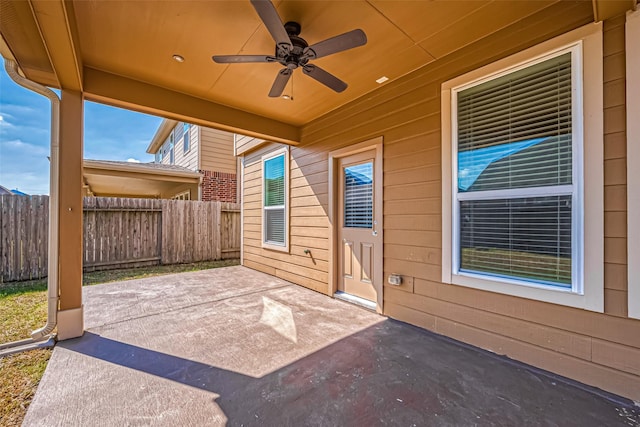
[(275, 200), (516, 202), (514, 136)]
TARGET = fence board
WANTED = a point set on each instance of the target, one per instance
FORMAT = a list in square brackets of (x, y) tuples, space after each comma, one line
[(119, 232), (23, 237)]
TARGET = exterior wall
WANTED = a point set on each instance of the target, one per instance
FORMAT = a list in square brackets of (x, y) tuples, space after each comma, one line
[(600, 349), (219, 187), (245, 144), (190, 158), (216, 151)]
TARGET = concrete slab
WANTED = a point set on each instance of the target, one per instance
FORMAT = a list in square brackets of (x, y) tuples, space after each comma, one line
[(236, 347)]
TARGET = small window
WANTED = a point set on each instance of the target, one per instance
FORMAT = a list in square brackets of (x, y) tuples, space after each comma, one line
[(172, 157), (186, 195), (158, 157), (275, 200), (185, 137)]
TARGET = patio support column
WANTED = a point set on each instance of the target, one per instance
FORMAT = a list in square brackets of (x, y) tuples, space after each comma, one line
[(70, 314)]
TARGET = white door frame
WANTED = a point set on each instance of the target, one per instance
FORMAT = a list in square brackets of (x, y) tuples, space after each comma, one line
[(371, 144)]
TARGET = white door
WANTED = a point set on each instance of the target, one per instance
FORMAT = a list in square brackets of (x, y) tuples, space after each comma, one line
[(359, 245)]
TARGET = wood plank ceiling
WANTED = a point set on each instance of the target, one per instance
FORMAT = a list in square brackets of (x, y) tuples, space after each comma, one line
[(135, 40)]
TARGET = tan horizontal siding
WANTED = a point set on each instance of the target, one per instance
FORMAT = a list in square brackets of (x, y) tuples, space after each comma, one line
[(216, 151), (600, 349), (190, 158), (615, 167)]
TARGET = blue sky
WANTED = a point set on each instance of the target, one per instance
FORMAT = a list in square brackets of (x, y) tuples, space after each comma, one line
[(109, 134)]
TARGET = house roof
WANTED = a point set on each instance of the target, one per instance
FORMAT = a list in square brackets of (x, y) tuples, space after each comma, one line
[(4, 190), (161, 135), (113, 54), (126, 179), (152, 168)]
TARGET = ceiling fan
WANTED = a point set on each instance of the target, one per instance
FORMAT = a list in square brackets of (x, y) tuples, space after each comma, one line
[(293, 51)]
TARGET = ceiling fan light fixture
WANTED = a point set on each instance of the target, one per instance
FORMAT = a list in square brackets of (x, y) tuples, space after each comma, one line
[(287, 97), (178, 58)]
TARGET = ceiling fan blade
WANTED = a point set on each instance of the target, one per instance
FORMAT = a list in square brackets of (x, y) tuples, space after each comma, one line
[(269, 15), (336, 44), (324, 77), (280, 83), (235, 59)]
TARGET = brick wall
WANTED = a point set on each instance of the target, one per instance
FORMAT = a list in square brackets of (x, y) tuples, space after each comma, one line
[(219, 186)]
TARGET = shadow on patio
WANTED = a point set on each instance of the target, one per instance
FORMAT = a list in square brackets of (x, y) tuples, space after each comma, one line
[(237, 347)]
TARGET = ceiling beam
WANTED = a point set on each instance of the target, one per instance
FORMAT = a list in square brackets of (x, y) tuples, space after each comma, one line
[(124, 92), (56, 22), (605, 9)]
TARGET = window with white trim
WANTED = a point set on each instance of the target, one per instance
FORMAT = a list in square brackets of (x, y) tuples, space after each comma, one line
[(513, 144), (185, 137), (275, 200), (185, 195), (516, 203)]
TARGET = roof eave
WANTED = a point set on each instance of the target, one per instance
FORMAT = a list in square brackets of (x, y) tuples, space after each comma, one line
[(161, 135)]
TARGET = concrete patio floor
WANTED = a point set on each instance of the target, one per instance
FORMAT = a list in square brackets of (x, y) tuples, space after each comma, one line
[(233, 346)]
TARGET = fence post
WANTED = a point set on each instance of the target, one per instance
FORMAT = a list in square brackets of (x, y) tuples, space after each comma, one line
[(218, 233)]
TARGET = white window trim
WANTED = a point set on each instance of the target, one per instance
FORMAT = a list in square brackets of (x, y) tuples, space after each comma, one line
[(590, 295), (633, 162), (283, 248), (185, 195)]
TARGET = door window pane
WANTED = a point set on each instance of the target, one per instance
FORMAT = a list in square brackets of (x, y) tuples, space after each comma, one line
[(358, 196)]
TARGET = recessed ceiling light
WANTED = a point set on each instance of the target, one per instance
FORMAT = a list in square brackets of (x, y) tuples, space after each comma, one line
[(178, 58), (382, 79)]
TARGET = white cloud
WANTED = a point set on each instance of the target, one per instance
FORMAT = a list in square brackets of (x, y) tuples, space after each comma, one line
[(25, 147), (17, 109), (5, 124), (132, 160)]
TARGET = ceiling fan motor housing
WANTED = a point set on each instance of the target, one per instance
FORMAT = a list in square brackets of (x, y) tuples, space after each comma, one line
[(291, 56)]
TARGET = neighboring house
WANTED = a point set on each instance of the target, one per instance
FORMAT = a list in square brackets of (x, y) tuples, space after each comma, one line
[(201, 149), (6, 191), (108, 178), (390, 193)]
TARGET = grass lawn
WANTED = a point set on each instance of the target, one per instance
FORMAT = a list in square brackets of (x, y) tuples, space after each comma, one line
[(23, 308)]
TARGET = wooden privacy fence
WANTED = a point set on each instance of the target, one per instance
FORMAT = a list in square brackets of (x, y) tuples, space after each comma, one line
[(119, 232)]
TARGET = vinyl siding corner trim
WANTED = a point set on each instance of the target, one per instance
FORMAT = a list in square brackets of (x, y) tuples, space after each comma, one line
[(633, 161)]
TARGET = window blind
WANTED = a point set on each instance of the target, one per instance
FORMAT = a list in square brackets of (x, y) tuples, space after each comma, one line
[(515, 133), (274, 200), (358, 196), (526, 238)]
